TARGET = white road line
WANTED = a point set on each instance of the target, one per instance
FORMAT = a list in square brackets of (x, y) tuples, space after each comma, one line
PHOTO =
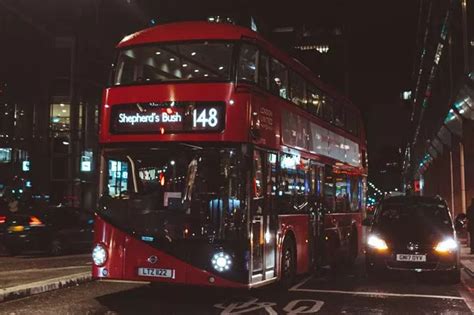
[(296, 286), (379, 294)]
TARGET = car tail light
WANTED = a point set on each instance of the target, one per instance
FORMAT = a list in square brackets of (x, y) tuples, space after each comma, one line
[(34, 221), (3, 219)]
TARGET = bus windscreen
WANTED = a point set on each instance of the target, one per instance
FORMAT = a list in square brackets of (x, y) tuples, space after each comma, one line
[(186, 61)]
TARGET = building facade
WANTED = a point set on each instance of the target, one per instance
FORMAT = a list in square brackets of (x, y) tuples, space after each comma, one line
[(440, 158), (53, 73)]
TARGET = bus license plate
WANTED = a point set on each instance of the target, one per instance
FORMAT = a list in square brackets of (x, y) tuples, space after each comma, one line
[(155, 272), (407, 257)]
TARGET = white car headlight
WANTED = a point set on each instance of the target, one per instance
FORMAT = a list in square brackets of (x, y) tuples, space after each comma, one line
[(221, 261), (99, 255), (376, 242), (447, 245)]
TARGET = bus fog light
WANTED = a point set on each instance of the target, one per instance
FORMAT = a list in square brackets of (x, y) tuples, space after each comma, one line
[(221, 261), (99, 255)]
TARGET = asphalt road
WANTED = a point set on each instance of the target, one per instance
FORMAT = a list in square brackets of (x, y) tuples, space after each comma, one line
[(327, 293)]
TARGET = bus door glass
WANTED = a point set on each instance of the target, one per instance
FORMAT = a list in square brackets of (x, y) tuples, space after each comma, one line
[(317, 212), (263, 238)]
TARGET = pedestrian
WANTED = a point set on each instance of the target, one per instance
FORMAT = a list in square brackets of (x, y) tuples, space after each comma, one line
[(470, 224)]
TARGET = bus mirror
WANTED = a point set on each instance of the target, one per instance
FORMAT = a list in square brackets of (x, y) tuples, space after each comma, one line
[(367, 222)]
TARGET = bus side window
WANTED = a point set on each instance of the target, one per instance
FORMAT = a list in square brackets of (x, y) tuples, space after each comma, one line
[(338, 110), (279, 79), (247, 68), (342, 192), (263, 74), (351, 121), (258, 191), (356, 193), (329, 190), (297, 89), (328, 111), (294, 184), (315, 101)]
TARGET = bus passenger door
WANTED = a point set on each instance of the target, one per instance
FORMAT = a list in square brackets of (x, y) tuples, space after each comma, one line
[(263, 218)]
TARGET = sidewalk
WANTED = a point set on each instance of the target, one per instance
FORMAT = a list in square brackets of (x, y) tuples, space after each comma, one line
[(467, 260), (32, 274)]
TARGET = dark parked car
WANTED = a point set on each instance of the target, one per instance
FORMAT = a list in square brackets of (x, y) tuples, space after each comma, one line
[(55, 229), (413, 233)]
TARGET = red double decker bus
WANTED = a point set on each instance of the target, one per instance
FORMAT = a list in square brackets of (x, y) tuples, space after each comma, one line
[(224, 162)]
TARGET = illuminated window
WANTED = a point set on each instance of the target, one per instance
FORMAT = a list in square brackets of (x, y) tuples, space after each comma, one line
[(60, 117), (5, 155), (197, 61), (118, 178), (258, 177)]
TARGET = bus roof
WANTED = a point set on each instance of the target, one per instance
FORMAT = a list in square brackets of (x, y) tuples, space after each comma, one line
[(201, 30)]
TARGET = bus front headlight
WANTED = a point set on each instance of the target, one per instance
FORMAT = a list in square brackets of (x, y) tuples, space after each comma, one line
[(221, 261), (99, 255)]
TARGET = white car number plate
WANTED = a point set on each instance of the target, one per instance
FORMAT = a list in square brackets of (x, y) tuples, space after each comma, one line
[(408, 257), (155, 272)]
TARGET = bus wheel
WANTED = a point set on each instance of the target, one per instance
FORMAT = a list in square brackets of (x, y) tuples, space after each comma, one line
[(288, 264)]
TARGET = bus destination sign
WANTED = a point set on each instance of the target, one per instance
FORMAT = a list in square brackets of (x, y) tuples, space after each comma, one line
[(167, 117)]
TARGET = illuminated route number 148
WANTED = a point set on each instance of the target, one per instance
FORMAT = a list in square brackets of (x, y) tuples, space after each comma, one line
[(206, 117)]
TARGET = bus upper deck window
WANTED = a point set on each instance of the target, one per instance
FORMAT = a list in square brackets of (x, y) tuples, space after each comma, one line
[(279, 79), (248, 63)]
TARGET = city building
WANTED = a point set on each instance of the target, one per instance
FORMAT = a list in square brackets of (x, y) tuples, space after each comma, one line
[(55, 66), (439, 159)]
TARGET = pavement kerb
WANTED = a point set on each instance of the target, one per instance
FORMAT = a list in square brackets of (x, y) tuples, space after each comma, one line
[(467, 269), (28, 289)]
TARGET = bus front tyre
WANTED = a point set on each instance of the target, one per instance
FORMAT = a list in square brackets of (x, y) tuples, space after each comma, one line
[(288, 265)]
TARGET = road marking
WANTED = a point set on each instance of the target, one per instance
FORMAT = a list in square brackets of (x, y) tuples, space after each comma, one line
[(379, 294), (296, 286)]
